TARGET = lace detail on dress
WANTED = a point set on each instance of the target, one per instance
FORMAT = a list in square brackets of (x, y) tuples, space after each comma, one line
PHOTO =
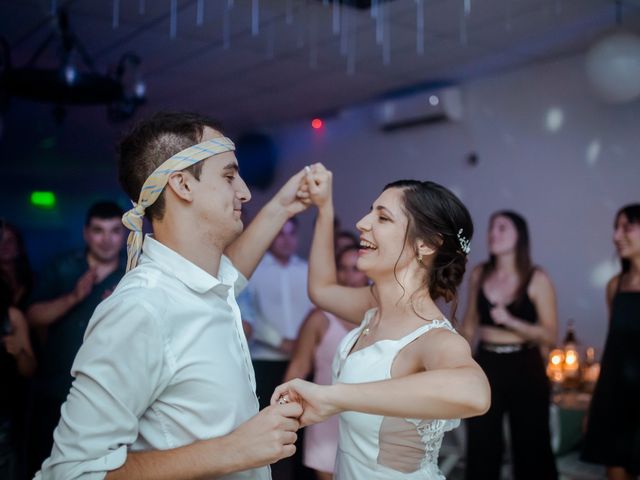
[(409, 445), (432, 432)]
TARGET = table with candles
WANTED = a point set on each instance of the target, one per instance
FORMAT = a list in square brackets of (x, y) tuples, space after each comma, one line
[(573, 377)]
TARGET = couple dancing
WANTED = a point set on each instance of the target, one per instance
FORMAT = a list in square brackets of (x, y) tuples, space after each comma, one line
[(164, 387)]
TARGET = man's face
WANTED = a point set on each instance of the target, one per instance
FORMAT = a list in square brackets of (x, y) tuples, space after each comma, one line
[(286, 242), (219, 195), (104, 238)]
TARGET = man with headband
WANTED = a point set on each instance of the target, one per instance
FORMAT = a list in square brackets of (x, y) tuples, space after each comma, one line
[(164, 387)]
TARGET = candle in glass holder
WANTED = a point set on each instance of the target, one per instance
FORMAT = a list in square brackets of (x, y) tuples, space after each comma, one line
[(571, 368), (555, 366)]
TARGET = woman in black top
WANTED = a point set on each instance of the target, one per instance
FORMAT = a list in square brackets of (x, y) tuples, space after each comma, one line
[(512, 309), (613, 432)]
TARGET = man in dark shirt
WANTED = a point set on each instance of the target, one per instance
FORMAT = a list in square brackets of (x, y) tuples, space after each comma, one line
[(63, 301)]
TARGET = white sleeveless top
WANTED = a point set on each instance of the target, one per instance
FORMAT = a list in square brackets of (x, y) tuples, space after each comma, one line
[(374, 447)]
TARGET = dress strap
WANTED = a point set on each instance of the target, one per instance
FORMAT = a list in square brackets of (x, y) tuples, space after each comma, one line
[(418, 332)]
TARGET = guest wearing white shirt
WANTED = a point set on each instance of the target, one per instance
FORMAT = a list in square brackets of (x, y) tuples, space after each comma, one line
[(275, 304), (164, 387)]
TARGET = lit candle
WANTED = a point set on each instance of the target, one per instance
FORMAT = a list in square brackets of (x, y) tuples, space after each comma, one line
[(555, 366)]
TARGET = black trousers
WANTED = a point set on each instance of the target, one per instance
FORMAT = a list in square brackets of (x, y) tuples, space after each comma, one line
[(269, 375), (519, 389)]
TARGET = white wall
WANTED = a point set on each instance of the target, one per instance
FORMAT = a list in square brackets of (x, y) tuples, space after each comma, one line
[(568, 183)]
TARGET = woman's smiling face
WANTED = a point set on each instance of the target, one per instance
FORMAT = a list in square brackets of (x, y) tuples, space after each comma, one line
[(383, 235)]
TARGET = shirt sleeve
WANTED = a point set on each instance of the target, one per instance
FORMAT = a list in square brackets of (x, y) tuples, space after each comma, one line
[(119, 371), (240, 284)]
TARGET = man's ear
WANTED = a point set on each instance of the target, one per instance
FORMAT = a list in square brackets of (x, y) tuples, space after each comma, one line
[(180, 183)]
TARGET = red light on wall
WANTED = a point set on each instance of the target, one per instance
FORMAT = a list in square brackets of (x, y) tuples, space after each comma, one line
[(316, 123)]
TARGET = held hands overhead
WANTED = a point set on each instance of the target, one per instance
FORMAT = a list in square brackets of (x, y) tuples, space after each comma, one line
[(313, 188), (311, 185)]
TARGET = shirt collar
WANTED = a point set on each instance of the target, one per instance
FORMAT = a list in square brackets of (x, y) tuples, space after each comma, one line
[(175, 265)]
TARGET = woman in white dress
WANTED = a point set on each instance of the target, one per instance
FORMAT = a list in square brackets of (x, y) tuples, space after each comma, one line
[(404, 377)]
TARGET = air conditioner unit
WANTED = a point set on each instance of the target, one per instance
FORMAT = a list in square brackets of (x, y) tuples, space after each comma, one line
[(421, 108)]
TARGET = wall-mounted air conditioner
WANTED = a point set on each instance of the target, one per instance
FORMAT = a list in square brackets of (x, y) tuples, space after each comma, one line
[(421, 108)]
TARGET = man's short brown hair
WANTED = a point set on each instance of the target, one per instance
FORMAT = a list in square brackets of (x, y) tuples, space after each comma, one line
[(153, 141)]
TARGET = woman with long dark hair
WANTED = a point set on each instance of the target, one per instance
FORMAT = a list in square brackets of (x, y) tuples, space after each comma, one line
[(14, 264), (403, 377), (512, 309), (17, 362), (613, 432)]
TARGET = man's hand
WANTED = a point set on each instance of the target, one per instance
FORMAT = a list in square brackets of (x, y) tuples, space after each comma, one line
[(294, 195), (269, 436), (84, 285), (265, 438)]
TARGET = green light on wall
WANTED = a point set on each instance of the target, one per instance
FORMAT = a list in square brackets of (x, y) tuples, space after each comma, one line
[(44, 200)]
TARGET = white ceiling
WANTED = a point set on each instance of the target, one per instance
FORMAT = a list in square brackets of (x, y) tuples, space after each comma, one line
[(270, 76)]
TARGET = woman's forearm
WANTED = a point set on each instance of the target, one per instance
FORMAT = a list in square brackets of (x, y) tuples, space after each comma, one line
[(447, 393), (322, 268), (534, 333)]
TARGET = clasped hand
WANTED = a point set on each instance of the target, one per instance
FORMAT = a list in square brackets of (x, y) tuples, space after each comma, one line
[(315, 400), (313, 185)]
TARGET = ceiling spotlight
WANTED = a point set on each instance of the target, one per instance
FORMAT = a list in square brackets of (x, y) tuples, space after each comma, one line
[(140, 89), (70, 74), (316, 123)]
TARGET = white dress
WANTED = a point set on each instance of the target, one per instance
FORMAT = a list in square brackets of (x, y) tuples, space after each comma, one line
[(374, 447)]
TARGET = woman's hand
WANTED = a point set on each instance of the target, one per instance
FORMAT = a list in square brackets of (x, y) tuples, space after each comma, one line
[(13, 344), (501, 316), (313, 398), (319, 181), (17, 341)]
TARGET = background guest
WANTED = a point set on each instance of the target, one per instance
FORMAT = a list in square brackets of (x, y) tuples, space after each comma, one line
[(17, 362), (512, 307), (64, 299), (15, 265), (613, 429), (275, 303)]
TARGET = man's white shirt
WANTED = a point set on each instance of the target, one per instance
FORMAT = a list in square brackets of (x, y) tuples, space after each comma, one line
[(164, 363)]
